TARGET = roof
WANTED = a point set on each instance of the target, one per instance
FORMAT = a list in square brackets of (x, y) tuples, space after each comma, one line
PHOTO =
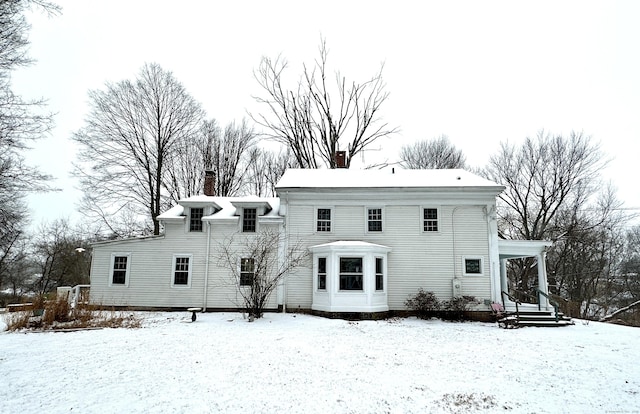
[(388, 178), (225, 207), (349, 245)]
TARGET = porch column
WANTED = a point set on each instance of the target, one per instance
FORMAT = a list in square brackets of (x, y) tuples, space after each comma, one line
[(543, 285), (503, 278)]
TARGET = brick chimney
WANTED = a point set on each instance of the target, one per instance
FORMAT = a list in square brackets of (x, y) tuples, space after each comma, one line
[(341, 159), (209, 183)]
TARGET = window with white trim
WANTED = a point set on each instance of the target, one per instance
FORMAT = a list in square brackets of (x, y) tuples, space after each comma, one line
[(247, 271), (181, 270), (322, 273), (430, 219), (351, 274), (249, 219), (195, 218), (323, 219), (374, 219), (379, 273), (120, 264), (472, 266)]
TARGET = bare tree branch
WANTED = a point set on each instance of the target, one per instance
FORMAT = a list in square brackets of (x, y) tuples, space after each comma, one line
[(313, 126), (130, 137), (438, 153)]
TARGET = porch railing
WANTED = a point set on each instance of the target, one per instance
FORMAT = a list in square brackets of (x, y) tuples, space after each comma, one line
[(513, 299), (553, 303)]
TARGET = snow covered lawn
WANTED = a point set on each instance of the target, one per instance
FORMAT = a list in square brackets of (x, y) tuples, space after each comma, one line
[(287, 363)]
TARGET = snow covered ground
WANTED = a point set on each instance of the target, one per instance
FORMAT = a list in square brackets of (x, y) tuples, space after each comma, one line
[(287, 363)]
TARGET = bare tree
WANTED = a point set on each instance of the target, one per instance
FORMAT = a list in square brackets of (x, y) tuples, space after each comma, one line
[(438, 153), (266, 169), (62, 257), (315, 120), (256, 267), (228, 153), (21, 122), (230, 157), (549, 181), (541, 177), (129, 137), (585, 261), (12, 240)]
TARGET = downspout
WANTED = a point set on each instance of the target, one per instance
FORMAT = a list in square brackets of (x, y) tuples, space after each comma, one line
[(285, 250), (453, 238), (206, 268)]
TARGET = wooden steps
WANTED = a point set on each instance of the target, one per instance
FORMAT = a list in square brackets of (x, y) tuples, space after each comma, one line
[(534, 318)]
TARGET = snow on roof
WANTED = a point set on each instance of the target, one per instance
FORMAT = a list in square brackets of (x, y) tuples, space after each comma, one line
[(226, 207), (349, 244), (388, 178)]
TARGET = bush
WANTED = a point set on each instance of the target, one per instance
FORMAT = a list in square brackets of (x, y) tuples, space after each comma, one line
[(58, 314), (456, 308), (424, 303)]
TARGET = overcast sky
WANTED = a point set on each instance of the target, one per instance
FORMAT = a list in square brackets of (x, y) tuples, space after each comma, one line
[(481, 72)]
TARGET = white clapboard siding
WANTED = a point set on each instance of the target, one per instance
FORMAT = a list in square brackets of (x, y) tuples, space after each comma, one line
[(151, 271), (418, 259)]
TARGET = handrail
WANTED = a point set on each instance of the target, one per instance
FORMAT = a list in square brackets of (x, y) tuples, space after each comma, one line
[(555, 304), (515, 300)]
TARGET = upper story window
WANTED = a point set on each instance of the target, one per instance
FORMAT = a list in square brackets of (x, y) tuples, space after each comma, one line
[(247, 271), (195, 219), (249, 218), (181, 270), (322, 273), (323, 222), (374, 219), (120, 269), (430, 219), (351, 273)]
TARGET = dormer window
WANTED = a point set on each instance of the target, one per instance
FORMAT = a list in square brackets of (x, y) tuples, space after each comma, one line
[(249, 218), (195, 219)]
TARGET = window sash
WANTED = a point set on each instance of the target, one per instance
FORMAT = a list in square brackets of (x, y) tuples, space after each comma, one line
[(430, 219), (322, 273), (249, 216), (351, 276), (247, 271), (473, 266), (379, 274), (374, 219), (323, 222), (181, 271), (119, 276), (195, 219)]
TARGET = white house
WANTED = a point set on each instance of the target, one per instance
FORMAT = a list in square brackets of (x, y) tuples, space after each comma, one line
[(374, 238)]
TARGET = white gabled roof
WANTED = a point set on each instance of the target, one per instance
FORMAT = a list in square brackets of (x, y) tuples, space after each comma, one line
[(225, 207), (387, 178)]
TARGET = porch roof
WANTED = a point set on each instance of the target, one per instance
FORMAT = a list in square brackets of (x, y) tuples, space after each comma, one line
[(513, 249)]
